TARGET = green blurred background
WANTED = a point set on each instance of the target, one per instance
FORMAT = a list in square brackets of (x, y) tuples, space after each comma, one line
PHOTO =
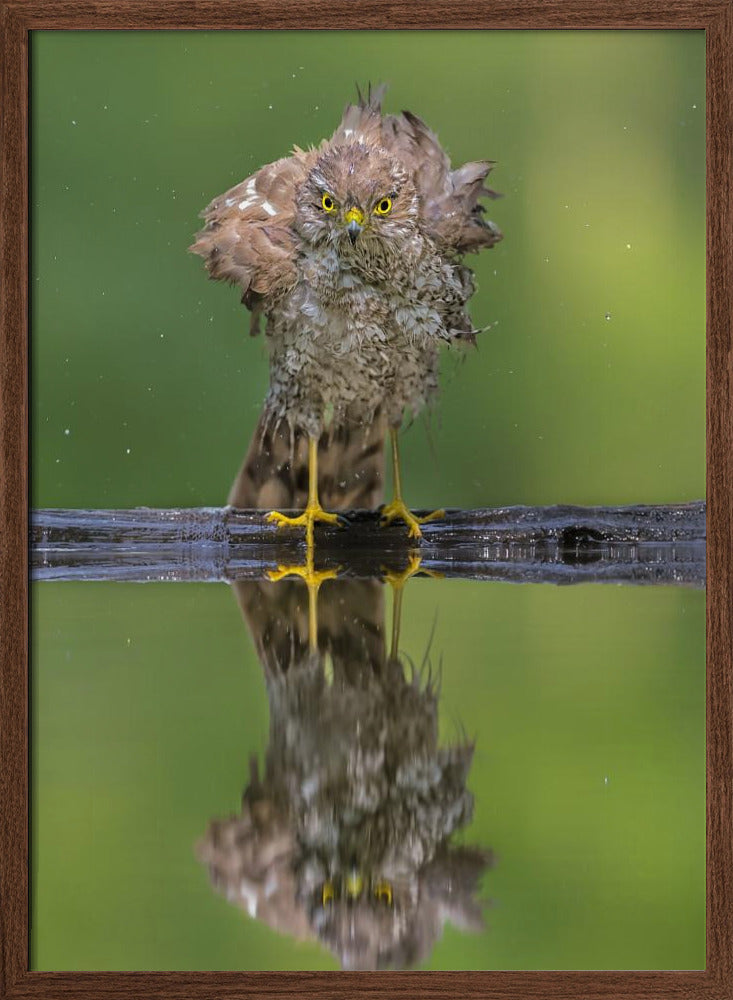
[(600, 144), (588, 388)]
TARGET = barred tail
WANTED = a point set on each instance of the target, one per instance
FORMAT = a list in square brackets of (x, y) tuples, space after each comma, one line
[(274, 474)]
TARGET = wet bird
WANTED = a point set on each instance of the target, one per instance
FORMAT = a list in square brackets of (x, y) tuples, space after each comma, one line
[(352, 254), (348, 834)]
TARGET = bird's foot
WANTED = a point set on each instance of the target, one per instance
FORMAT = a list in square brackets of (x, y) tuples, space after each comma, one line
[(398, 580), (397, 509), (312, 513), (312, 577)]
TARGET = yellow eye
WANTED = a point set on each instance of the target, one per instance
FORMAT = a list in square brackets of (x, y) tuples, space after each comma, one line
[(383, 892), (328, 203), (384, 206), (327, 893)]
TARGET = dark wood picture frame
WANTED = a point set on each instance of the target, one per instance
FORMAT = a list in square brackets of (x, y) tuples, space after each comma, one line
[(19, 18)]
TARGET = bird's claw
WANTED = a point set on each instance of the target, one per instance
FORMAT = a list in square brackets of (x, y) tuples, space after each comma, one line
[(311, 514), (312, 577), (398, 580), (397, 509)]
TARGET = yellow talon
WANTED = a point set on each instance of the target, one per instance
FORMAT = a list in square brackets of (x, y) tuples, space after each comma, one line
[(312, 513), (398, 509), (313, 579), (398, 580), (310, 576)]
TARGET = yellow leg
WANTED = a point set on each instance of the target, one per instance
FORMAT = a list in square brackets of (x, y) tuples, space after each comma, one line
[(397, 507), (396, 623), (397, 582), (313, 580), (312, 513)]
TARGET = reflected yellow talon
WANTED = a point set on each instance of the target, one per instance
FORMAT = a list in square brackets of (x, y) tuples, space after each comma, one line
[(310, 576), (398, 580), (397, 509), (313, 512), (313, 579)]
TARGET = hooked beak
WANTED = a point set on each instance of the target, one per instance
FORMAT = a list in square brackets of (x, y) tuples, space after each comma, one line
[(354, 223), (354, 883)]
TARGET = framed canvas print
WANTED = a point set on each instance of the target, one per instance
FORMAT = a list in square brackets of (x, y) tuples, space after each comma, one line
[(367, 607)]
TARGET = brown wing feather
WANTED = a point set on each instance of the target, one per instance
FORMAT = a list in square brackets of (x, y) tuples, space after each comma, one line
[(449, 199), (248, 239)]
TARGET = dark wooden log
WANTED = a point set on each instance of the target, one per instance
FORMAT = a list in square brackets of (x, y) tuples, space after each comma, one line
[(560, 544)]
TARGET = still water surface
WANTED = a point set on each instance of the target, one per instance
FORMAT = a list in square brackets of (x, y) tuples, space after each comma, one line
[(521, 788)]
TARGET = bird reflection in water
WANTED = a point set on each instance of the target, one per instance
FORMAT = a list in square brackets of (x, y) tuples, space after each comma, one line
[(346, 836)]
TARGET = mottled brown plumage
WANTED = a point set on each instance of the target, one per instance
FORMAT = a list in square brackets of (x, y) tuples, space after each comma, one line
[(347, 836), (355, 777), (352, 253)]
